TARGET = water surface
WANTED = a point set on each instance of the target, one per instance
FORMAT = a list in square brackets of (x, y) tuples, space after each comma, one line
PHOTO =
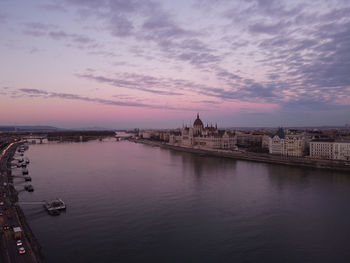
[(130, 202)]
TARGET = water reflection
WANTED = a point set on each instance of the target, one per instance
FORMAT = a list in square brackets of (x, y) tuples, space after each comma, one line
[(303, 177), (198, 166)]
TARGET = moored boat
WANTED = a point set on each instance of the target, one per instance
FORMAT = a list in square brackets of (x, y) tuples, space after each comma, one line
[(56, 204)]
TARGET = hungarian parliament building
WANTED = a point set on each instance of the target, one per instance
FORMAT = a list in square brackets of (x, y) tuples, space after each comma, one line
[(199, 136)]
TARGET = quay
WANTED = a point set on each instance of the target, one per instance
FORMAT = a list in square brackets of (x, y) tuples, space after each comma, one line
[(13, 223), (335, 165), (26, 178)]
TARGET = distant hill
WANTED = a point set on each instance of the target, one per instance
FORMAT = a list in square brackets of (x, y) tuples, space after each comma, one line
[(29, 128), (91, 129)]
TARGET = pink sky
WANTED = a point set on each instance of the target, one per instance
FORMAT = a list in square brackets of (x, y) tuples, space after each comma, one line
[(156, 64)]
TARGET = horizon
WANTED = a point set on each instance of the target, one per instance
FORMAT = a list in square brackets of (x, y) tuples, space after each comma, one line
[(55, 128), (142, 64)]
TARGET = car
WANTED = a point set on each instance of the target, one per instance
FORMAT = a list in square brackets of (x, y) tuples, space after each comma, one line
[(6, 227), (1, 203), (19, 243), (21, 250), (7, 212)]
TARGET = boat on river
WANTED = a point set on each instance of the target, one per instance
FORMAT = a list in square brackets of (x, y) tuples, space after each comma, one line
[(55, 205), (29, 188)]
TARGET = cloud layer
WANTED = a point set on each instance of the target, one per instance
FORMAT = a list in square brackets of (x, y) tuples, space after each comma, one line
[(199, 55)]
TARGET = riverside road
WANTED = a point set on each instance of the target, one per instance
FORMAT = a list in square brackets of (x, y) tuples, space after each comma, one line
[(10, 217)]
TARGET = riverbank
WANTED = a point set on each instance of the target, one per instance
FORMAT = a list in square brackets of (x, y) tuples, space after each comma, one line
[(258, 157), (15, 218)]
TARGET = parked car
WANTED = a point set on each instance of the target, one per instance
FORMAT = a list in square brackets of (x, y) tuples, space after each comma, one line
[(21, 250)]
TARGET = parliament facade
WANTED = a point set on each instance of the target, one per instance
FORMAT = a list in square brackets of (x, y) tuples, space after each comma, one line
[(198, 136)]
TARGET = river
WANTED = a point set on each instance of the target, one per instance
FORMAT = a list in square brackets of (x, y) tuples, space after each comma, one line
[(129, 202)]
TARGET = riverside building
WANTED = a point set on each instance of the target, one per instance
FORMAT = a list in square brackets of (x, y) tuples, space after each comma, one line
[(336, 150), (287, 144)]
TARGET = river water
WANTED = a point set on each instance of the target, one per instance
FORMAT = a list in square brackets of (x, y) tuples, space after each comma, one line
[(129, 202)]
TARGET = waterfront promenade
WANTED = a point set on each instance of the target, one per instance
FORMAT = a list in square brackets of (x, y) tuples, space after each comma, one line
[(12, 216), (257, 157)]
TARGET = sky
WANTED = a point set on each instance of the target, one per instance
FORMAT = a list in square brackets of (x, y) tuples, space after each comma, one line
[(156, 64)]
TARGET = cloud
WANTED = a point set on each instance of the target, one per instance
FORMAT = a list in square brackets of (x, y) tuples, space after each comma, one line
[(3, 18), (160, 27), (39, 26), (224, 74), (77, 38), (116, 12), (267, 9), (69, 96), (198, 58), (53, 7), (304, 50), (268, 28), (210, 102), (330, 68), (267, 51), (133, 81), (37, 29), (318, 58), (166, 86), (4, 90), (121, 26), (154, 25), (34, 91), (316, 103)]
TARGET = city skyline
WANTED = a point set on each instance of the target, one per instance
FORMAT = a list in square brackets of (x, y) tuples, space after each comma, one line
[(126, 64)]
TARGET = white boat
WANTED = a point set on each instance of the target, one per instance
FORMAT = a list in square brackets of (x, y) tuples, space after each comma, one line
[(56, 204)]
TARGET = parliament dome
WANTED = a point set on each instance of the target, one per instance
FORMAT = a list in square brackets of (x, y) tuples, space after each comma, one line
[(198, 122)]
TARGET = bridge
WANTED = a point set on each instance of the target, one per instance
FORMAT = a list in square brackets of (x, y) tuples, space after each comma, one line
[(31, 138), (120, 138)]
